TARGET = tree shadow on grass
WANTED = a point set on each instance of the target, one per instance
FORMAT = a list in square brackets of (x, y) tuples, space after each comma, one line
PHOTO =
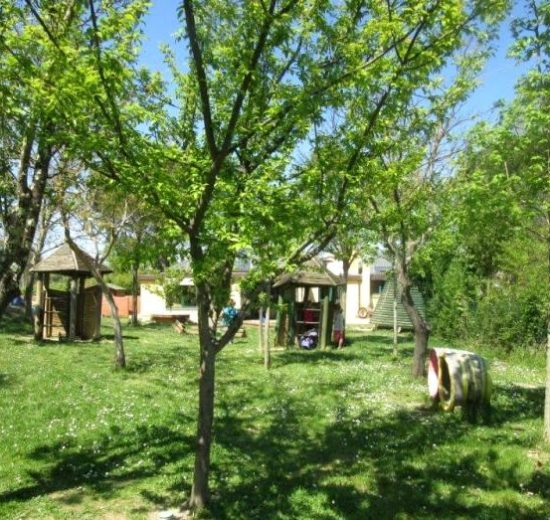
[(516, 402), (111, 337), (410, 463), (382, 346), (5, 380), (105, 463), (155, 360), (316, 356), (15, 323)]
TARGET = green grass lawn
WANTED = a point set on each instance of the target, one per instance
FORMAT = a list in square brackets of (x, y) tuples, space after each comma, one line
[(322, 435)]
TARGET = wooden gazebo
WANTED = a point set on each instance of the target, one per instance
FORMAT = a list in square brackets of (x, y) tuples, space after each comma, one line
[(300, 316), (73, 313)]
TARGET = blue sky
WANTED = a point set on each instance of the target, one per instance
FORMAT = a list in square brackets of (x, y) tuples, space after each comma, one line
[(501, 73), (497, 79)]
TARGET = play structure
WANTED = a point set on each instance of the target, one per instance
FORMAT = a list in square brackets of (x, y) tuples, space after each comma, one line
[(74, 312), (305, 303)]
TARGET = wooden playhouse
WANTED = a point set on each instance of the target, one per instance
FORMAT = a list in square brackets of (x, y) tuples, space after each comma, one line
[(305, 300), (70, 310)]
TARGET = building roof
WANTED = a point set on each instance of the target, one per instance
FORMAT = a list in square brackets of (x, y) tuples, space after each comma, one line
[(66, 261), (312, 274)]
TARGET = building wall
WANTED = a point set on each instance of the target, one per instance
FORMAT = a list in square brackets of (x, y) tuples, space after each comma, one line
[(358, 289), (123, 303), (358, 294), (151, 302)]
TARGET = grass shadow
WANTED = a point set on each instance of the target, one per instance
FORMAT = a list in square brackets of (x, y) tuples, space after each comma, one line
[(111, 337), (515, 402), (284, 463), (102, 464), (15, 324), (290, 356), (5, 380)]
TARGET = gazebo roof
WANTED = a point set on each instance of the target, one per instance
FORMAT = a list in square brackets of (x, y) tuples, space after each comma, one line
[(312, 274), (66, 261)]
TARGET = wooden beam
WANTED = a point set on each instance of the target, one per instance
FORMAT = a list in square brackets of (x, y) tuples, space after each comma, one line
[(324, 332), (38, 310), (73, 306)]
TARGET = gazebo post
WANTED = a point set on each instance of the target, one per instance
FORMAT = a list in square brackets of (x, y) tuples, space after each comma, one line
[(81, 302), (73, 306), (97, 331), (46, 318), (38, 311), (279, 320), (291, 316)]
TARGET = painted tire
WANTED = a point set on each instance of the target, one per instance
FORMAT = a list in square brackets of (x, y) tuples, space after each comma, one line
[(458, 377)]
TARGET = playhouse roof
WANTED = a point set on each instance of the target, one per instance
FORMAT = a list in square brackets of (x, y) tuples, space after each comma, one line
[(312, 274), (66, 261)]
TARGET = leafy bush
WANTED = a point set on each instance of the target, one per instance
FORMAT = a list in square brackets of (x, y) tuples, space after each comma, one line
[(511, 316), (454, 295), (504, 315)]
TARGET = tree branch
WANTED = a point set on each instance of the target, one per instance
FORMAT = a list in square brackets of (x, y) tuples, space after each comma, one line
[(201, 77)]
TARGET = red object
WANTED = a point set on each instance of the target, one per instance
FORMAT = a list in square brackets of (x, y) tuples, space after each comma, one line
[(337, 336), (309, 316), (433, 375)]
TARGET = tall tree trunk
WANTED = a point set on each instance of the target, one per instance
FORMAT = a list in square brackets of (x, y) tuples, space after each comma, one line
[(261, 329), (8, 290), (120, 356), (395, 337), (420, 325), (265, 327), (28, 287), (22, 223), (28, 277), (200, 492)]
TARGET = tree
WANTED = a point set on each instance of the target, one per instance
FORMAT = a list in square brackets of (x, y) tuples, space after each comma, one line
[(404, 209), (407, 170), (144, 239), (525, 131), (259, 75), (503, 186), (29, 131), (101, 215)]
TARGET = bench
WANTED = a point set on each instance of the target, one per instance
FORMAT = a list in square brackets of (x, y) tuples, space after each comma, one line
[(169, 318), (187, 328)]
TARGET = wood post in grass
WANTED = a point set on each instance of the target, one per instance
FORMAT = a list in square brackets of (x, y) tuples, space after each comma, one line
[(291, 318), (324, 321), (265, 327), (279, 319), (260, 329)]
